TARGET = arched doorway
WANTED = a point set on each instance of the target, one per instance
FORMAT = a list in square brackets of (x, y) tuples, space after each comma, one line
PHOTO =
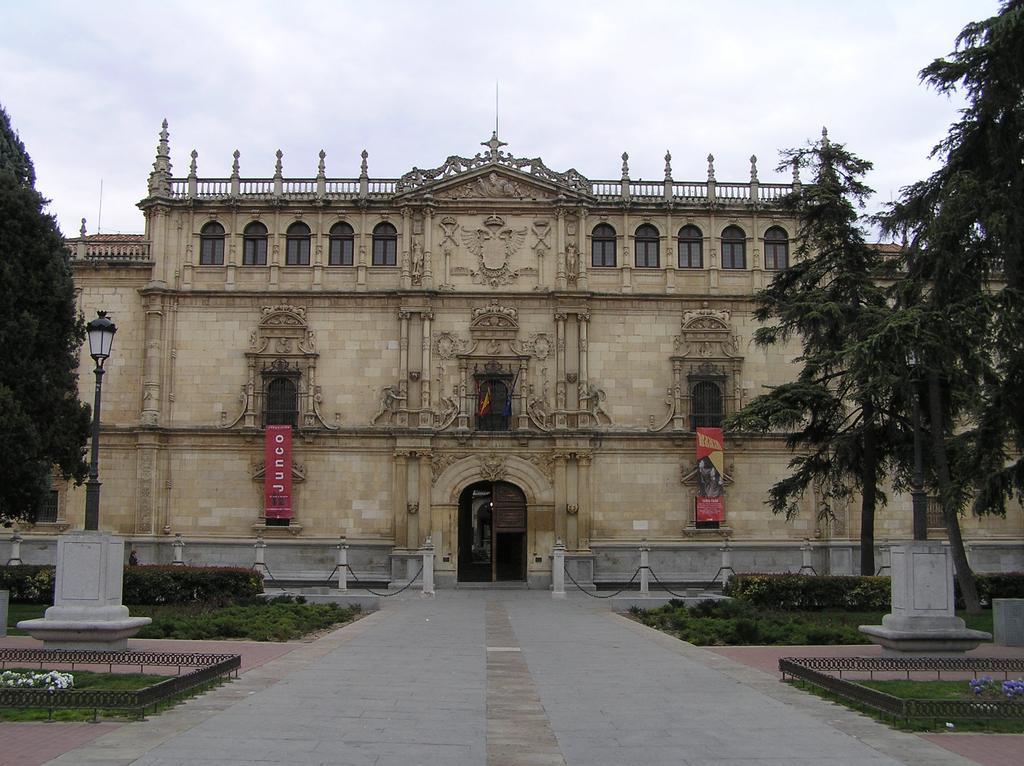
[(492, 533)]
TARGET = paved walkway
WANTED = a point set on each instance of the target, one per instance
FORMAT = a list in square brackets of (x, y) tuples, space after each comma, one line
[(505, 678)]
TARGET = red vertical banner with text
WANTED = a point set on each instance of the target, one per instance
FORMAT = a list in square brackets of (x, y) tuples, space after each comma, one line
[(710, 475), (277, 476)]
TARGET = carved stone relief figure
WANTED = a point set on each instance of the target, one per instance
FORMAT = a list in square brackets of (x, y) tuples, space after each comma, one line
[(572, 262), (494, 245), (390, 396), (594, 398), (449, 409), (417, 263)]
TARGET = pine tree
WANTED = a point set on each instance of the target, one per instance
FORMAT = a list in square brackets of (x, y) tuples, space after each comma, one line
[(828, 297), (42, 423), (964, 292)]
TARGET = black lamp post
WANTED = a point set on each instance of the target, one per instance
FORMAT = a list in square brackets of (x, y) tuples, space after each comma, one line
[(918, 499), (101, 337)]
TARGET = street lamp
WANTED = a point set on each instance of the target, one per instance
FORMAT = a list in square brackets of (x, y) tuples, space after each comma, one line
[(918, 499), (101, 337)]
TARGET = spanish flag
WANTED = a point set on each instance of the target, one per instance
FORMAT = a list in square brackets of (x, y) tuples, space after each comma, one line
[(485, 400)]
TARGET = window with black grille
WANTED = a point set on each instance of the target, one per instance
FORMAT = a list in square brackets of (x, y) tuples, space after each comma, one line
[(51, 505), (281, 400), (707, 411)]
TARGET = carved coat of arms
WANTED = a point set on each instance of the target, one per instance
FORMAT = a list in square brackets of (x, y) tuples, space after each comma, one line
[(494, 244)]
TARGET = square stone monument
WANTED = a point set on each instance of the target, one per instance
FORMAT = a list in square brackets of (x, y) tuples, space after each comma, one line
[(87, 612), (922, 620)]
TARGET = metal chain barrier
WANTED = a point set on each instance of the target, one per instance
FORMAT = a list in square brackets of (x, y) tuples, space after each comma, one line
[(384, 595), (610, 595), (663, 586)]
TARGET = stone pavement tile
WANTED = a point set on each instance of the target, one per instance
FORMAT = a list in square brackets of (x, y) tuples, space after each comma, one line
[(32, 743), (986, 749)]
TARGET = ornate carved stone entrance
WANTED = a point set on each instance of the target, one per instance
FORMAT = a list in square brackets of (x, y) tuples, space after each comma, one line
[(492, 533)]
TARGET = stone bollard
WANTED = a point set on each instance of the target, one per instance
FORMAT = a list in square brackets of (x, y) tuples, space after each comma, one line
[(1008, 621), (558, 570), (343, 565), (645, 570), (15, 549), (726, 570), (428, 568), (3, 612), (260, 547), (179, 548)]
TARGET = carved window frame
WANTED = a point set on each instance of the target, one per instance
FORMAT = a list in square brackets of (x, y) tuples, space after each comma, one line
[(211, 244), (603, 243), (691, 247)]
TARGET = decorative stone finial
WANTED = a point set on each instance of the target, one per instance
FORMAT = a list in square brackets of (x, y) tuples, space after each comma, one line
[(494, 145), (753, 168), (796, 173), (625, 165), (363, 168), (321, 168), (278, 166), (668, 165), (82, 230), (160, 178), (193, 166), (824, 135), (234, 165), (711, 167)]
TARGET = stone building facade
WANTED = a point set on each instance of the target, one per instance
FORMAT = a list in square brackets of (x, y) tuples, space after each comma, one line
[(489, 354)]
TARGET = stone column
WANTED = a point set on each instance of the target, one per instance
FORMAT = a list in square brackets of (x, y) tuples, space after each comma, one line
[(679, 418), (558, 570), (425, 403), (522, 417), (317, 256), (581, 240), (360, 254), (151, 365), (403, 355), (428, 569), (583, 499), (463, 382), (428, 247), (560, 278), (406, 237), (561, 494), (342, 566), (399, 497), (582, 364), (560, 318), (426, 523), (645, 571)]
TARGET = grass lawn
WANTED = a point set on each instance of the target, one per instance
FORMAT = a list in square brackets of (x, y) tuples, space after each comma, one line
[(84, 679), (735, 623), (258, 621)]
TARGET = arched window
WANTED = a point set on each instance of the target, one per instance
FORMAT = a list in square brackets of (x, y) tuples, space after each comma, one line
[(691, 248), (776, 249), (602, 245), (296, 250), (734, 248), (282, 402), (647, 242), (385, 245), (211, 245), (254, 245), (341, 245), (707, 405), (493, 405)]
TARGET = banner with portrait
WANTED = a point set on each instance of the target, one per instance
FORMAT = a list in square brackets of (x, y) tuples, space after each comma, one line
[(710, 475)]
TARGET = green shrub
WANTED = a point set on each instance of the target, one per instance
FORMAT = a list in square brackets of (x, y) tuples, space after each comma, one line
[(811, 593), (990, 586), (28, 583), (159, 585)]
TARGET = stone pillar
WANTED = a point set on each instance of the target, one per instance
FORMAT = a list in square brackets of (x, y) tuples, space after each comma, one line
[(406, 237), (645, 571), (399, 495), (583, 499), (425, 404), (679, 416), (426, 526), (178, 550), (560, 318), (560, 278), (15, 550), (428, 569), (558, 570), (151, 362), (260, 555), (360, 253), (403, 356), (584, 254), (522, 417), (428, 247), (727, 570), (560, 495), (463, 393), (342, 565)]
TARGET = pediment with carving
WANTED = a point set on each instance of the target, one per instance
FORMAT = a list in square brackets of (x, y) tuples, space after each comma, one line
[(494, 321), (493, 185), (706, 334)]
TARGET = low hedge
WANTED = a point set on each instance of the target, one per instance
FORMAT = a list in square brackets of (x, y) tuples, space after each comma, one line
[(814, 593), (31, 584), (811, 593)]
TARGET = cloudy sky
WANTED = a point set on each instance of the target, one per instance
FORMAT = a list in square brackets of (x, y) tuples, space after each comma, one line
[(86, 85)]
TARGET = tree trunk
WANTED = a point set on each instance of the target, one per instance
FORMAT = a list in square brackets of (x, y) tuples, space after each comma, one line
[(950, 513), (869, 491)]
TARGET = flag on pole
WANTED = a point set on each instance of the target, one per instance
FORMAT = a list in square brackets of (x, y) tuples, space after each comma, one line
[(485, 400)]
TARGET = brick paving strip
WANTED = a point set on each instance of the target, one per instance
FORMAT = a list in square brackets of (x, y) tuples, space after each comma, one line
[(518, 730)]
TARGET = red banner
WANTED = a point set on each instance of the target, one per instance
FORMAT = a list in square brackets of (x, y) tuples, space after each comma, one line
[(710, 475), (277, 473)]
